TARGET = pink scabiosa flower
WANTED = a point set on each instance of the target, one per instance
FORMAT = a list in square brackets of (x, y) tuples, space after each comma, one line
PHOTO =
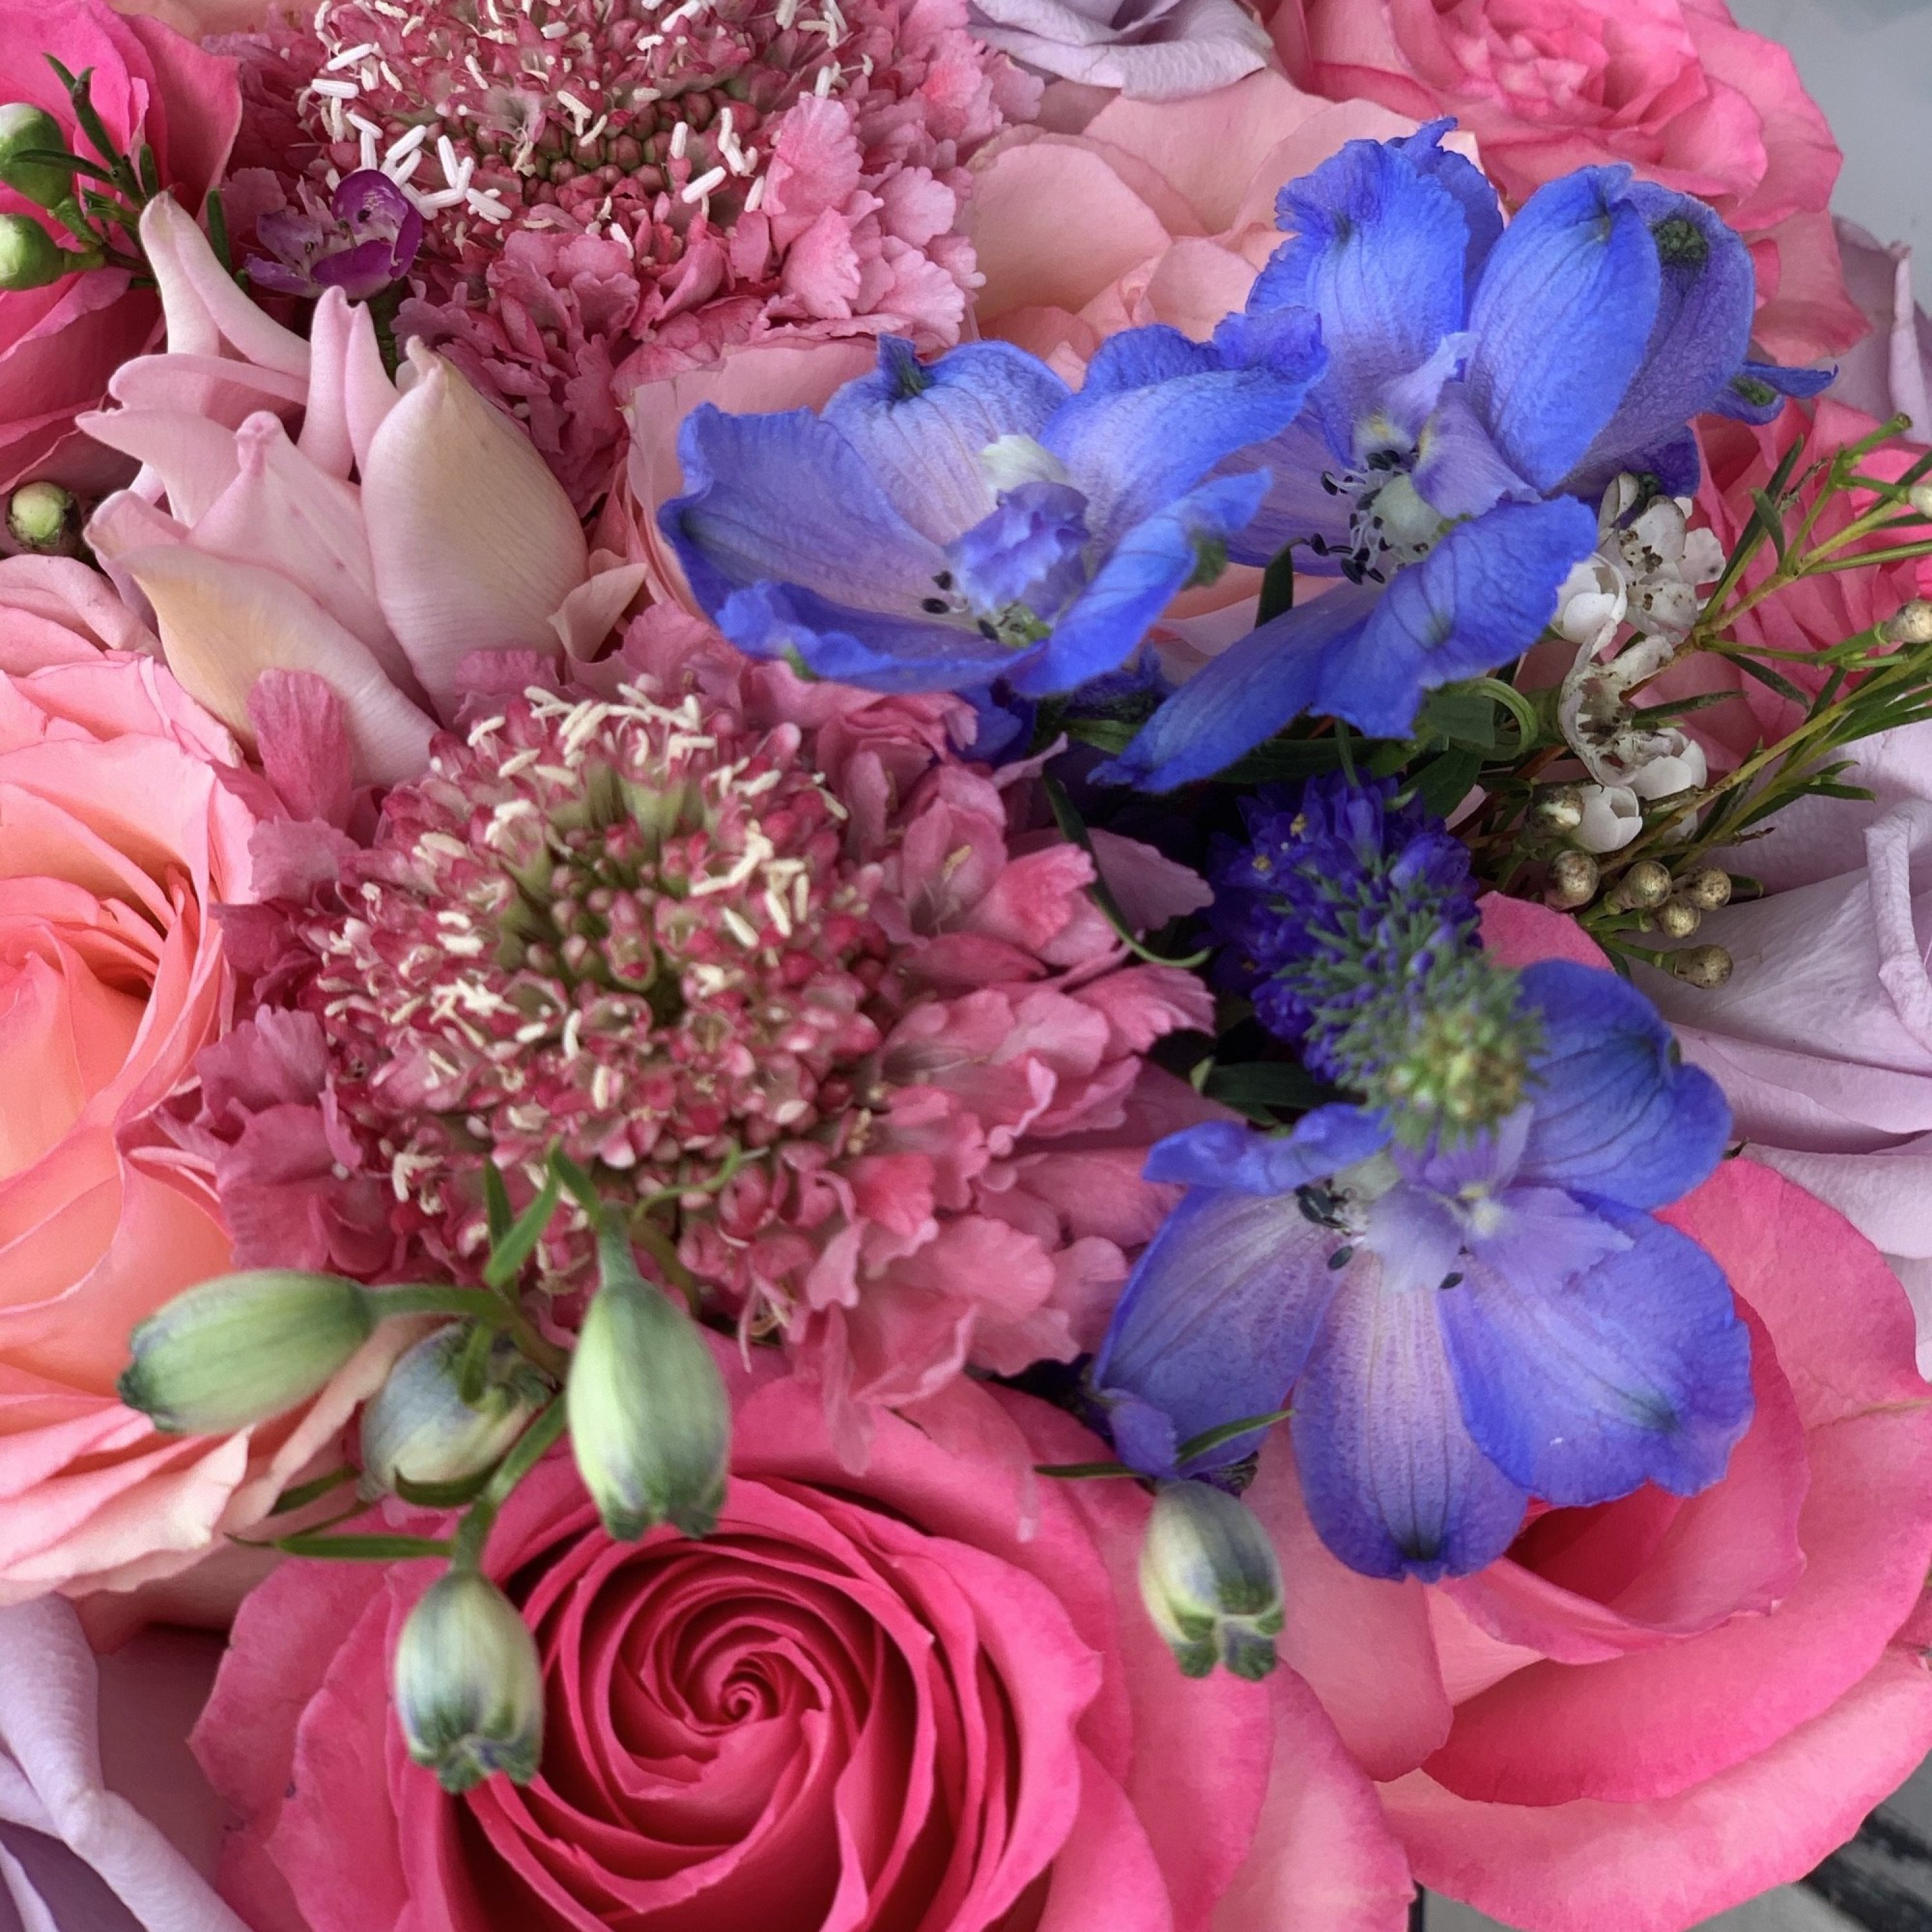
[(754, 167), (843, 1041)]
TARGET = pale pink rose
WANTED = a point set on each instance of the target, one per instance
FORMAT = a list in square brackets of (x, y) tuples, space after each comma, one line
[(105, 1820), (59, 345), (915, 1697), (1154, 212), (123, 828), (1673, 87), (1822, 1038), (1650, 1710), (298, 510), (1884, 375)]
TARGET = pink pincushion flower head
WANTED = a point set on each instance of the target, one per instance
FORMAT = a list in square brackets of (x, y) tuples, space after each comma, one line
[(783, 971), (749, 168)]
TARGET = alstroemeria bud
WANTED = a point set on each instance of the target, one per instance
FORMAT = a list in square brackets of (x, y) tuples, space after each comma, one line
[(1210, 1582), (468, 1684), (650, 1424), (24, 129), (242, 1348), (418, 1426), (30, 258)]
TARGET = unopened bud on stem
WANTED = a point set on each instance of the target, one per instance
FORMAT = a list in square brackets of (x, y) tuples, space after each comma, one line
[(1913, 624), (1646, 885), (30, 258), (468, 1684), (418, 1426), (1210, 1582), (1557, 808), (25, 130), (1677, 919), (1573, 879), (243, 1348), (1706, 890), (1705, 966), (650, 1424)]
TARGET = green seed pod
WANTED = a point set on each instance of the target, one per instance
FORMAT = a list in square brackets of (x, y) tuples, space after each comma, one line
[(25, 130), (30, 258)]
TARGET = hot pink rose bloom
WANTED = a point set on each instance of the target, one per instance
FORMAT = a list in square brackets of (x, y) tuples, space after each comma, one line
[(59, 345), (1673, 87), (119, 831), (888, 1701), (1651, 1710)]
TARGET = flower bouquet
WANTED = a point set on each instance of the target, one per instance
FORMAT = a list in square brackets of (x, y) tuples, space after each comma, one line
[(962, 969)]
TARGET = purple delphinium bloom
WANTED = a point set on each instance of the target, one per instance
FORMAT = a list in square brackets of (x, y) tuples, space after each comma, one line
[(972, 521), (1457, 1328), (1483, 384), (362, 241)]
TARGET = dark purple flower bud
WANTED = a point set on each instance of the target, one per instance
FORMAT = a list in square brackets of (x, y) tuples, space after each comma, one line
[(364, 239)]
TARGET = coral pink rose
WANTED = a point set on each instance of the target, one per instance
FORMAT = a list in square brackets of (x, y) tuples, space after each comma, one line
[(59, 345), (1650, 1710), (117, 835), (1673, 87), (872, 1701)]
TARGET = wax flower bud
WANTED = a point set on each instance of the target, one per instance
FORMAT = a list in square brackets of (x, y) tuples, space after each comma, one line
[(30, 258), (1210, 1581), (650, 1424), (418, 1426), (242, 1348), (468, 1684), (25, 131), (1913, 623)]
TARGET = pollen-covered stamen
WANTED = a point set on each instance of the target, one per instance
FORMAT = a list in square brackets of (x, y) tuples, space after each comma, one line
[(1390, 524), (619, 928)]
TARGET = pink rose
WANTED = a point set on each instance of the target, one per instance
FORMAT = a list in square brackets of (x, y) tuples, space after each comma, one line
[(103, 1812), (1650, 1710), (118, 833), (864, 1701), (1673, 87), (59, 345)]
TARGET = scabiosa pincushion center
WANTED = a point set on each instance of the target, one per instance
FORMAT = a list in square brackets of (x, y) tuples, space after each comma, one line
[(822, 1008), (612, 926)]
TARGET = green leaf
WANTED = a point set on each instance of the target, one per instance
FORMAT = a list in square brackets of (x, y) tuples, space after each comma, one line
[(1772, 519), (1282, 760), (1112, 735), (1267, 1083), (1077, 1472), (1444, 783), (1213, 1438), (1776, 680), (364, 1548), (216, 211), (1277, 587), (507, 1257), (1460, 716), (441, 1495), (472, 1366), (303, 1494), (496, 1204)]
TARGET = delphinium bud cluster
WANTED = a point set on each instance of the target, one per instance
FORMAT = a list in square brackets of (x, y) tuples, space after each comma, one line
[(1350, 918)]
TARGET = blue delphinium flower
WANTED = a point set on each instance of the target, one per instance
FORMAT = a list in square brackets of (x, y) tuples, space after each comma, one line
[(944, 526), (1463, 1316), (1483, 387), (1350, 922)]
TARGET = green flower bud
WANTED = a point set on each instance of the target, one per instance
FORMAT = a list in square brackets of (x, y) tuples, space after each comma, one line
[(41, 517), (418, 1426), (1210, 1581), (30, 258), (650, 1424), (468, 1684), (23, 129), (242, 1348)]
